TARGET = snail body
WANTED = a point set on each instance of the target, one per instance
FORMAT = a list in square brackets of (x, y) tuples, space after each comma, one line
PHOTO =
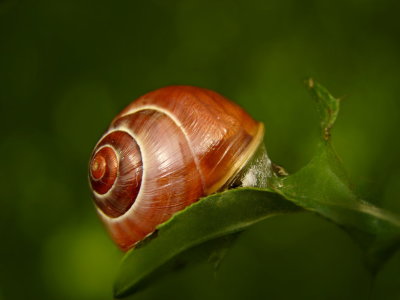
[(164, 151)]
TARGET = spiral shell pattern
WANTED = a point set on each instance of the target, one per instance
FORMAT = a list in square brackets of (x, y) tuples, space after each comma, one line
[(163, 152)]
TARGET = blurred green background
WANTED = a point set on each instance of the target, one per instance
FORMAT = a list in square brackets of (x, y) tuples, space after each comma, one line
[(67, 67)]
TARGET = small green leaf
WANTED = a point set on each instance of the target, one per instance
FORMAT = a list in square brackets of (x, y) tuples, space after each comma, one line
[(199, 225), (327, 105), (322, 186)]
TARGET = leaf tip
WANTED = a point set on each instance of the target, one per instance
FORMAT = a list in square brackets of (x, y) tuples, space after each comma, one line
[(328, 106), (309, 83), (117, 292)]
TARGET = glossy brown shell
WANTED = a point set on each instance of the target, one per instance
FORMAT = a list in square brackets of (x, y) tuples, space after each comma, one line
[(163, 152)]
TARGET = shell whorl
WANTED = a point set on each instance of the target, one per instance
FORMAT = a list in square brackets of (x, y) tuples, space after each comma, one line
[(163, 152), (116, 173)]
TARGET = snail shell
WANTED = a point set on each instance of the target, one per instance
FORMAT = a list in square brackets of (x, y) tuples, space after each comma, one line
[(163, 152)]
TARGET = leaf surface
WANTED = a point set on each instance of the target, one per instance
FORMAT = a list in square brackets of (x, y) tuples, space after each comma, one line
[(201, 224), (322, 186)]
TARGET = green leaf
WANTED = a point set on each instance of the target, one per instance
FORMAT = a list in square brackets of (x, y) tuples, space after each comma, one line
[(197, 228), (327, 105), (322, 186), (206, 229)]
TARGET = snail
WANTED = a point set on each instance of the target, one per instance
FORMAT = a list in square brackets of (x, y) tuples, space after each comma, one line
[(165, 151)]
